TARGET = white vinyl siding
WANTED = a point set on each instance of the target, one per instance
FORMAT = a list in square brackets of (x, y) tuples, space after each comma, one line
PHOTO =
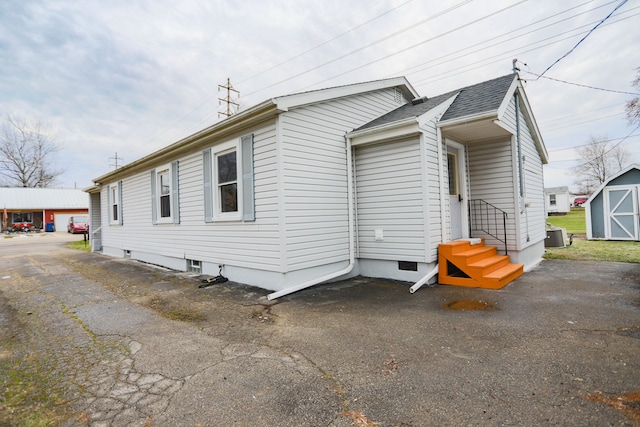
[(315, 175), (436, 230), (532, 227), (389, 198), (491, 178), (244, 244)]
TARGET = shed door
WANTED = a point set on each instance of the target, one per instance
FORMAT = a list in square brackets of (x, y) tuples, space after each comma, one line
[(621, 213)]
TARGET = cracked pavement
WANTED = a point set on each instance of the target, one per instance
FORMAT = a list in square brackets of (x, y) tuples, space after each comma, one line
[(131, 344)]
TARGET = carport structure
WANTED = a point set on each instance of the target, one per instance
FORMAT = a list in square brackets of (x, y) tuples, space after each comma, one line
[(41, 208)]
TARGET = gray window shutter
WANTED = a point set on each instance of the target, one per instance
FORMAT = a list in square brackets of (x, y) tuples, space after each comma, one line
[(154, 200), (208, 185), (109, 214), (175, 193), (120, 210), (248, 190)]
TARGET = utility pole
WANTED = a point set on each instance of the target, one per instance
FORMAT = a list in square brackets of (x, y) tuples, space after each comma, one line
[(115, 159), (228, 100)]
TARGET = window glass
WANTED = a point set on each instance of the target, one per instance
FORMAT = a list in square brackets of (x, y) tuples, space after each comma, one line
[(453, 174), (22, 217), (165, 194), (114, 203), (227, 173)]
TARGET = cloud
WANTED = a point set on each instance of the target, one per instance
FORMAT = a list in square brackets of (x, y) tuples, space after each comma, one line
[(132, 77)]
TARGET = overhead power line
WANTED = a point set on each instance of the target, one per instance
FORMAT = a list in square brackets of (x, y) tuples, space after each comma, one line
[(583, 85), (380, 40), (584, 38)]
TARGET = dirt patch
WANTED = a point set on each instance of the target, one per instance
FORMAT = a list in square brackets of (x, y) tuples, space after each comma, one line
[(470, 305)]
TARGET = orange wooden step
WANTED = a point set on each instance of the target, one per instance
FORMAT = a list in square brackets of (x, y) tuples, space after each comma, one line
[(475, 265)]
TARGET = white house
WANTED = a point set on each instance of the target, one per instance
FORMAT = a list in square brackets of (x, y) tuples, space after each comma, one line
[(365, 179), (558, 200), (613, 211)]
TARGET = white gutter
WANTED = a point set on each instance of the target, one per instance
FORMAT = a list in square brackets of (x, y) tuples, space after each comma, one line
[(349, 267), (424, 280)]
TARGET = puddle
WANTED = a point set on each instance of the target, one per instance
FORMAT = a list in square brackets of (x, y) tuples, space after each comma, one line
[(628, 403), (633, 332), (470, 305)]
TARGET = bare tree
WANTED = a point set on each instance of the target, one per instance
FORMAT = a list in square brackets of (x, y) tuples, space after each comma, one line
[(599, 160), (633, 106), (27, 154)]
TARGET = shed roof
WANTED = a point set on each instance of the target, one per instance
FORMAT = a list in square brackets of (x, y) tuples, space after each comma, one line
[(633, 167), (42, 198), (556, 190)]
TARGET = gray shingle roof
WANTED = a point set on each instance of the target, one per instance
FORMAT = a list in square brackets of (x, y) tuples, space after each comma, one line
[(481, 97), (472, 100)]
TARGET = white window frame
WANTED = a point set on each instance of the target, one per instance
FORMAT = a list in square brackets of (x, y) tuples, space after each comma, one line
[(216, 152), (166, 169), (115, 200)]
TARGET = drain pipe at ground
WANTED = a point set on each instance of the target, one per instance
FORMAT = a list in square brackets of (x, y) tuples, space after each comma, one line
[(349, 267), (424, 280)]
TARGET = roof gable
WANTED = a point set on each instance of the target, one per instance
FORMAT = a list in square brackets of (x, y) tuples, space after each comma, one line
[(321, 95), (480, 98)]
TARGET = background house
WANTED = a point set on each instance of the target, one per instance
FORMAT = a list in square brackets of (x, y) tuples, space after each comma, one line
[(612, 212), (42, 208), (557, 200), (362, 179)]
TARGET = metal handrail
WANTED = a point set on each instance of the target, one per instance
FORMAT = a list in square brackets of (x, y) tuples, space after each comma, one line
[(489, 219)]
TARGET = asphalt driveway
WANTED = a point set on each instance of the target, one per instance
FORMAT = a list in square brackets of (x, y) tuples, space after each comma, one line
[(132, 344)]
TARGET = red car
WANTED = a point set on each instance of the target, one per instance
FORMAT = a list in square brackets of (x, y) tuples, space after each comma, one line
[(579, 201), (78, 224)]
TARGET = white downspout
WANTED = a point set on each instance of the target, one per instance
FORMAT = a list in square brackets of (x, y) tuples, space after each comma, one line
[(443, 216), (346, 270), (424, 280), (434, 270)]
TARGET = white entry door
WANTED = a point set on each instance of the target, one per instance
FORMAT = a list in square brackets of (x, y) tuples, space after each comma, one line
[(455, 195), (621, 213)]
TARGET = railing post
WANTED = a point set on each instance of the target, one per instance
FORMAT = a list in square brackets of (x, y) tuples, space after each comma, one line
[(504, 227)]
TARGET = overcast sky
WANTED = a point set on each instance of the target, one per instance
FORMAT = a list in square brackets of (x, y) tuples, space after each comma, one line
[(130, 77)]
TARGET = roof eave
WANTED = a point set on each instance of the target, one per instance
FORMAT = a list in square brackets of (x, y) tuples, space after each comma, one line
[(236, 123), (384, 132), (486, 115)]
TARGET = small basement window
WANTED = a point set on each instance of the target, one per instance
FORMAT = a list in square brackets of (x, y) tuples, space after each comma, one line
[(194, 266), (407, 266)]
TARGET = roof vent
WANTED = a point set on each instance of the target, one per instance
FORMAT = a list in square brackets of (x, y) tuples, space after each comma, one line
[(419, 100)]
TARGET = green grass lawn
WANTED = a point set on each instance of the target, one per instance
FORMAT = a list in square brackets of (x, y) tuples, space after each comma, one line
[(81, 245), (597, 250), (589, 250), (574, 221)]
